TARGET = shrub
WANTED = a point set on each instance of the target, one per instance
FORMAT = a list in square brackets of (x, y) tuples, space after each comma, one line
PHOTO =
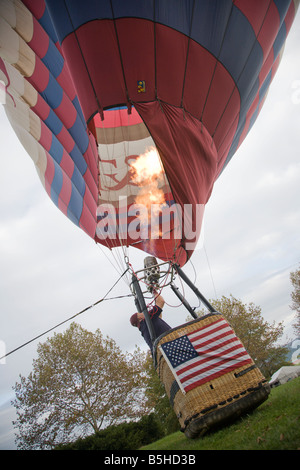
[(125, 436)]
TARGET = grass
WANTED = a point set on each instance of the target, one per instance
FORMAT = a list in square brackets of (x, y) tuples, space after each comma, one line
[(274, 425)]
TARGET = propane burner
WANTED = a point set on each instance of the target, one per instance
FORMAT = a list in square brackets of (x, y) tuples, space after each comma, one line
[(152, 273)]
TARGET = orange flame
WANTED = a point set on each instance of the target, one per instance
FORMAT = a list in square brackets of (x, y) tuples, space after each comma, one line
[(148, 175)]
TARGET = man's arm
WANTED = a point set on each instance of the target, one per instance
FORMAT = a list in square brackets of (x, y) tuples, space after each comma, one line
[(159, 301)]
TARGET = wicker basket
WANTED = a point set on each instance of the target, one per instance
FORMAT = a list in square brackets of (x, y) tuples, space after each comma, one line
[(218, 394)]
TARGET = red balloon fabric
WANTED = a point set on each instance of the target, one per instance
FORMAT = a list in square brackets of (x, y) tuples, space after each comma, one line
[(90, 90)]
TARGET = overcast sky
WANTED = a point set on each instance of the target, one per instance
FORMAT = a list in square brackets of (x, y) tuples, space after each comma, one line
[(51, 270)]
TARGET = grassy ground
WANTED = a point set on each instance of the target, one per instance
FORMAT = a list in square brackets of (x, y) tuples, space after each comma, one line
[(274, 425)]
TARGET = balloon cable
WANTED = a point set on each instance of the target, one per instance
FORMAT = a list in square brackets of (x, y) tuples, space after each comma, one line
[(70, 318)]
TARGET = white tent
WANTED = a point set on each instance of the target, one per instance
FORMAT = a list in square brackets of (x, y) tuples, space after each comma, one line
[(284, 374)]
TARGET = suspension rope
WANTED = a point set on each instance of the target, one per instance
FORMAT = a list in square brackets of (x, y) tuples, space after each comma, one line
[(71, 318), (210, 271)]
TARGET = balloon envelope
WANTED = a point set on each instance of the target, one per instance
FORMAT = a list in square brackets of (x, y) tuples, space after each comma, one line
[(89, 90)]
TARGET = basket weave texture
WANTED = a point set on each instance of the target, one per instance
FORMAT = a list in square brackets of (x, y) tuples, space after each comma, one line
[(211, 395)]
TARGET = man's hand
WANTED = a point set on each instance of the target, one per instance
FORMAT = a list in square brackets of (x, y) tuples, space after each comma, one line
[(140, 316)]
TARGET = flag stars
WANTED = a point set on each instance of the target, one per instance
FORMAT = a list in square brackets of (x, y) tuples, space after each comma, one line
[(179, 351)]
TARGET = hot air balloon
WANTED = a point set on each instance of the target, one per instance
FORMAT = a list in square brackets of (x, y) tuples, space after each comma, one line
[(129, 106), (89, 90)]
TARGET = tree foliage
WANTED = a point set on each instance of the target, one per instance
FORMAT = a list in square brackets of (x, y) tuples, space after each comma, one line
[(124, 436), (157, 400), (295, 280), (80, 383)]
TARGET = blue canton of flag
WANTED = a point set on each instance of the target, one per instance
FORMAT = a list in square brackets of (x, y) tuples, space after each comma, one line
[(179, 351)]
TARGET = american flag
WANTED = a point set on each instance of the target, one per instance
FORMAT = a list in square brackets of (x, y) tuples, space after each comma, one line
[(204, 354)]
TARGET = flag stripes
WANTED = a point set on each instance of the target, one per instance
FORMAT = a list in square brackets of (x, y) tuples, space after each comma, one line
[(205, 354)]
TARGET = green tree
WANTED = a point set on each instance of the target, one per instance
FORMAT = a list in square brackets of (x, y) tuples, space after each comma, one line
[(157, 400), (80, 383), (295, 280), (124, 436), (258, 336)]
